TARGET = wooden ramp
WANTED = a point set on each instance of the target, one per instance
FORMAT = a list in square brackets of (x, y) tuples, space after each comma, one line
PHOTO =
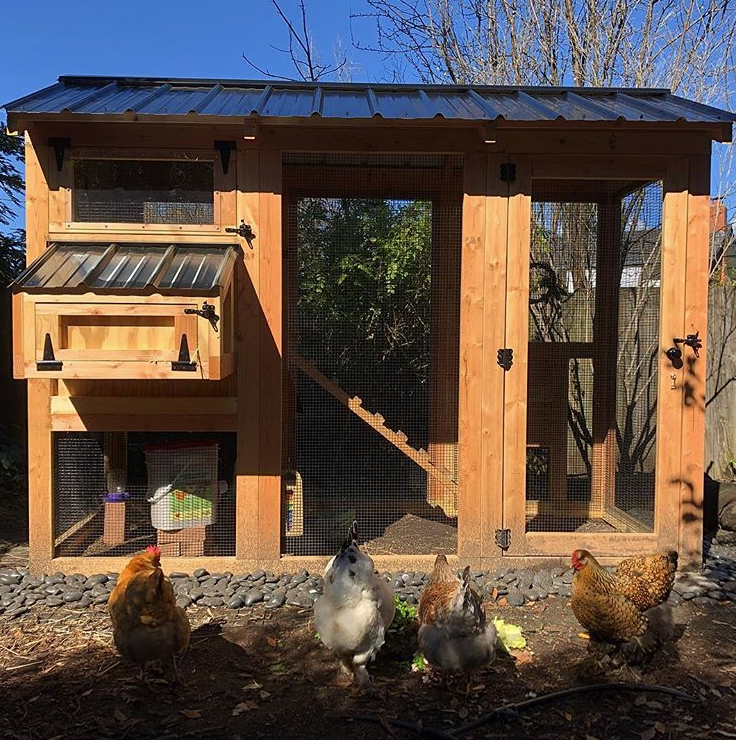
[(376, 421)]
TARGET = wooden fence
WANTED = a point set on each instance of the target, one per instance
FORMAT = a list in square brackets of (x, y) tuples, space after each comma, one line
[(720, 436)]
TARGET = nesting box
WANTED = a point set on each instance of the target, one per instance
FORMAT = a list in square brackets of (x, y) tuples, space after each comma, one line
[(125, 311)]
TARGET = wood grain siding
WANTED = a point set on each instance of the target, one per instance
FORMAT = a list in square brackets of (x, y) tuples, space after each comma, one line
[(517, 338), (696, 318), (670, 400), (470, 528), (271, 357), (494, 330), (40, 498), (249, 326)]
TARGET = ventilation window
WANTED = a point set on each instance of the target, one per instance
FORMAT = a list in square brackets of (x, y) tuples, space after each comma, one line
[(143, 192)]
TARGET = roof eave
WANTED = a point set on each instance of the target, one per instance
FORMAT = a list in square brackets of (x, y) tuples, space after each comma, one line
[(720, 131)]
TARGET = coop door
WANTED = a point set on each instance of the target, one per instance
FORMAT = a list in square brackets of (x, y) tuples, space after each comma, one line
[(587, 474)]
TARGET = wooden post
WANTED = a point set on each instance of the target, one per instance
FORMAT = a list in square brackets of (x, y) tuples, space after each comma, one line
[(605, 353), (495, 271), (270, 255), (443, 352), (40, 494), (696, 317), (517, 338), (670, 395), (470, 527), (248, 355)]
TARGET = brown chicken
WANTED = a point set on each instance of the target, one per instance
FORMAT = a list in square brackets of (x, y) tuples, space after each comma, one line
[(147, 624), (453, 634), (625, 612)]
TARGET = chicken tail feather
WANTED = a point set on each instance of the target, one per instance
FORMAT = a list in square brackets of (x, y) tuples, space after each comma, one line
[(660, 630)]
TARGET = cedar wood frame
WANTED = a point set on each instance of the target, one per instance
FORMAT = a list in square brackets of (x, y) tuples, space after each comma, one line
[(494, 278)]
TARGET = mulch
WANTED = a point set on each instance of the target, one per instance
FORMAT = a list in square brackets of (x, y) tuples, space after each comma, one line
[(258, 674)]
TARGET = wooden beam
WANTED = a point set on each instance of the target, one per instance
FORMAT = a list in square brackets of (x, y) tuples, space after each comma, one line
[(270, 255), (40, 497), (696, 318), (495, 269), (618, 167), (443, 352), (517, 338), (670, 394), (470, 526), (605, 358), (250, 323)]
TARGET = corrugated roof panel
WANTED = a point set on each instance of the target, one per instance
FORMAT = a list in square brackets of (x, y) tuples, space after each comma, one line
[(110, 267), (242, 98), (288, 104), (403, 104), (345, 104)]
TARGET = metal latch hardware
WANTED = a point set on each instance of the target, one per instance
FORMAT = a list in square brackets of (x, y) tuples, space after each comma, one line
[(49, 362), (225, 148), (508, 172), (691, 340), (244, 231), (184, 363), (505, 358), (503, 538), (206, 312)]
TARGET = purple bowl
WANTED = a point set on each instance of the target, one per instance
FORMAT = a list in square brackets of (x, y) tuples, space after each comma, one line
[(116, 497)]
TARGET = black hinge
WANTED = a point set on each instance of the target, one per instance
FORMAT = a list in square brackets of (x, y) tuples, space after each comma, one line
[(508, 172), (60, 145), (244, 231), (503, 538), (505, 358), (49, 362), (225, 147), (206, 312), (184, 363)]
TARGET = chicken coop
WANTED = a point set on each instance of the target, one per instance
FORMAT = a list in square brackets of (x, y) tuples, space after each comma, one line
[(471, 318)]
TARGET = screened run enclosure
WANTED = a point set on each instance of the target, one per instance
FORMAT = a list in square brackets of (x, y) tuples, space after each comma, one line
[(372, 272), (115, 493), (594, 307)]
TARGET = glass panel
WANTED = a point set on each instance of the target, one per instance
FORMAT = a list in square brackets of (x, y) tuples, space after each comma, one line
[(143, 191)]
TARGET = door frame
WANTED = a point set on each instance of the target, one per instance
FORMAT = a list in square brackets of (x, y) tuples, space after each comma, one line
[(673, 173)]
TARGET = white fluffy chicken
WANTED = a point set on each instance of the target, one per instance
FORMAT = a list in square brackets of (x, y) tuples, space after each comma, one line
[(453, 633), (355, 610)]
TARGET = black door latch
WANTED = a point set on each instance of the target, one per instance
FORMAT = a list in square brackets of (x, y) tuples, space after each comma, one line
[(206, 312), (244, 231), (505, 358), (691, 340), (503, 538)]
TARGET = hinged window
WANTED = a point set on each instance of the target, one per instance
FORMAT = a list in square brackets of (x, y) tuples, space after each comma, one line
[(143, 192)]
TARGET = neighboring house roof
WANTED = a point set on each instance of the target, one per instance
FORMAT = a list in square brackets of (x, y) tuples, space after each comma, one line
[(142, 96), (177, 268)]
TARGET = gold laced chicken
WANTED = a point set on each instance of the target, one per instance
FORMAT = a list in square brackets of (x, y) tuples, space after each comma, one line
[(626, 613)]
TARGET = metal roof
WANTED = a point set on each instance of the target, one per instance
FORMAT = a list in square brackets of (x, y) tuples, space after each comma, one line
[(144, 96), (172, 268)]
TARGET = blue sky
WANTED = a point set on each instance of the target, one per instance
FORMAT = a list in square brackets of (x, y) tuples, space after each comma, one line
[(41, 39)]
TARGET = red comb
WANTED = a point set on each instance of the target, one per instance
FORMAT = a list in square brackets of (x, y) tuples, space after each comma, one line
[(154, 550)]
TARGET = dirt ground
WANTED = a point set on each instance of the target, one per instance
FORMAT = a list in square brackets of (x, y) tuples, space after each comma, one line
[(264, 674)]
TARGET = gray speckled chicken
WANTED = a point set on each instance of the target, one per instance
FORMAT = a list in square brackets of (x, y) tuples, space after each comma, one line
[(356, 608), (453, 633)]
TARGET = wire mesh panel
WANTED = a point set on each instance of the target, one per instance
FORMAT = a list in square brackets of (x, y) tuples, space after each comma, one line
[(143, 191), (372, 315), (115, 493), (593, 331)]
